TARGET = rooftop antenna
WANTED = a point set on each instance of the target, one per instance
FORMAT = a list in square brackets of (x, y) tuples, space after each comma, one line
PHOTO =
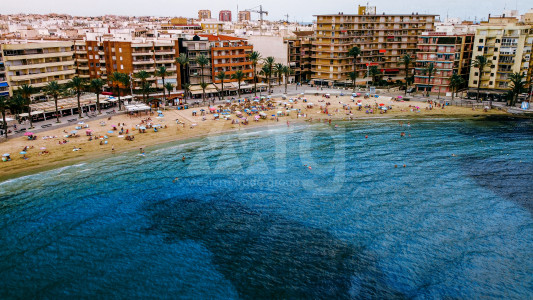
[(287, 15)]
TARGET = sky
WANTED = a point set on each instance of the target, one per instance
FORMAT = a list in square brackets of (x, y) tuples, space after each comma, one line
[(298, 10)]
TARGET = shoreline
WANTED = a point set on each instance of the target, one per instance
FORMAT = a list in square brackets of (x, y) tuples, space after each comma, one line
[(20, 168)]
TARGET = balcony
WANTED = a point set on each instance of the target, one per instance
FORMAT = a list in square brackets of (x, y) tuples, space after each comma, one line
[(39, 55), (43, 74)]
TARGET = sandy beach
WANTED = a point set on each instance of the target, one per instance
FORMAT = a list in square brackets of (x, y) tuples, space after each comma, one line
[(58, 154)]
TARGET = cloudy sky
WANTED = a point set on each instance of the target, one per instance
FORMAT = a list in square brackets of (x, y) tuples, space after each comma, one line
[(299, 10)]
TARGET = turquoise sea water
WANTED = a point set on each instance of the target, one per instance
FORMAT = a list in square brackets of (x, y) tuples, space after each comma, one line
[(245, 217)]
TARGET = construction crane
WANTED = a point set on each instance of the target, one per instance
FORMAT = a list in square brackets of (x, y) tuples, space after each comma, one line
[(261, 12)]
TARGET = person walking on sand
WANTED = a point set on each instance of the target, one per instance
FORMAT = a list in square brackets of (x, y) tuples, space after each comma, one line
[(288, 124)]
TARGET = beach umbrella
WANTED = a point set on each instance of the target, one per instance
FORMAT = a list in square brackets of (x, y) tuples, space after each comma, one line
[(43, 148), (202, 109), (73, 132), (159, 112), (212, 108), (381, 104), (142, 127), (80, 123), (6, 155), (215, 115), (22, 152), (89, 130), (28, 133), (110, 131)]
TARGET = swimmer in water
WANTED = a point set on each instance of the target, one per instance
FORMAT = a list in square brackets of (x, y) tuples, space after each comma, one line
[(183, 159), (366, 136), (175, 180)]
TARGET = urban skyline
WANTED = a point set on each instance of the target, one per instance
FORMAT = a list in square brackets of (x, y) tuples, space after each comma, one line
[(467, 10)]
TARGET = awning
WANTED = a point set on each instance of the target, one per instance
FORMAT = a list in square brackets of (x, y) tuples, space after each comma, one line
[(24, 115), (3, 84), (392, 70)]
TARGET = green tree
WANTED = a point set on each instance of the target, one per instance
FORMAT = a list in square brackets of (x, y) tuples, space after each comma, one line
[(286, 70), (162, 72), (354, 53), (456, 81), (53, 89), (143, 76), (375, 73), (269, 64), (479, 62), (202, 62), (115, 79), (169, 87), (4, 105), (406, 61), (96, 85), (203, 85), (266, 71), (221, 76), (182, 60), (125, 83), (429, 71), (517, 86), (278, 69), (186, 90), (239, 76), (77, 85), (146, 89), (254, 58), (25, 91), (353, 77)]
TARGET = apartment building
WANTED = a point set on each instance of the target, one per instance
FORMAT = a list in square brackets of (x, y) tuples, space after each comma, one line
[(194, 47), (383, 40), (204, 14), (224, 16), (450, 54), (507, 44), (230, 54), (299, 54), (90, 59), (135, 56), (212, 27), (244, 16), (4, 85), (37, 63)]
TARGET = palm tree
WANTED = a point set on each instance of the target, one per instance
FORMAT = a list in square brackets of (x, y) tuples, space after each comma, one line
[(479, 62), (186, 89), (517, 85), (162, 72), (77, 85), (53, 89), (182, 60), (143, 76), (26, 90), (146, 89), (354, 52), (169, 87), (96, 86), (266, 71), (221, 76), (239, 76), (374, 72), (353, 77), (203, 85), (286, 72), (406, 61), (115, 79), (456, 81), (125, 81), (269, 64), (278, 69), (4, 105), (429, 71), (254, 57)]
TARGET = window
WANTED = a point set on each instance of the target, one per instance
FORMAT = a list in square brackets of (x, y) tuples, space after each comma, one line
[(476, 74), (120, 50), (475, 81), (490, 82), (122, 67), (481, 40)]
